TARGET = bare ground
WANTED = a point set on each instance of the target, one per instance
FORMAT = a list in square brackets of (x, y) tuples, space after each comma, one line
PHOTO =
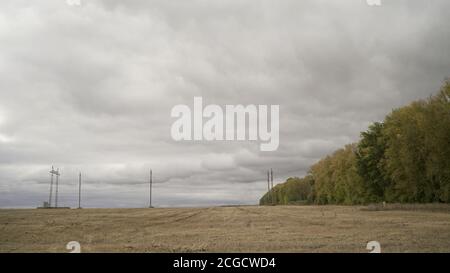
[(225, 229)]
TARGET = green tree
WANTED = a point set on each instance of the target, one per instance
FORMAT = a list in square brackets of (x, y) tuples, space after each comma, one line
[(371, 162)]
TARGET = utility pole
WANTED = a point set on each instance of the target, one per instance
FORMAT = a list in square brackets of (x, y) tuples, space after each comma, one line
[(151, 177), (52, 172), (79, 191), (268, 187), (271, 181), (56, 193)]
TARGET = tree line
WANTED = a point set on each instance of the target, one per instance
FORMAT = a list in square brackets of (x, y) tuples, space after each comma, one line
[(405, 158)]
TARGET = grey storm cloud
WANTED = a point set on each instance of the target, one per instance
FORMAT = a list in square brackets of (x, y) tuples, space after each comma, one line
[(90, 88)]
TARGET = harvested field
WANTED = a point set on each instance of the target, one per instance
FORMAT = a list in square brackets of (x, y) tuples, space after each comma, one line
[(226, 229)]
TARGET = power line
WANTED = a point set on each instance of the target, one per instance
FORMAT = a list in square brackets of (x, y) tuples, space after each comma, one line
[(150, 193), (51, 187), (269, 194), (79, 191), (52, 173), (57, 183), (271, 181)]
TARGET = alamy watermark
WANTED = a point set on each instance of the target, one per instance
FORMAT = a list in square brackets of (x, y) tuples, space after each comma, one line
[(373, 246), (74, 247), (227, 124), (373, 2)]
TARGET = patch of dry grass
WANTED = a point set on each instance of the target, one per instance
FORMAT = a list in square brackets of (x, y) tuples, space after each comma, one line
[(434, 207)]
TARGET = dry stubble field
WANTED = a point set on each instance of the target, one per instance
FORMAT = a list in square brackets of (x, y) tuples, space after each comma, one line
[(225, 229)]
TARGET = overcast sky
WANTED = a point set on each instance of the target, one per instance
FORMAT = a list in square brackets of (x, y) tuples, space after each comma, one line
[(90, 88)]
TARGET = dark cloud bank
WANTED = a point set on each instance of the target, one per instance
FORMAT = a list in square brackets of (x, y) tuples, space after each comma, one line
[(91, 88)]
